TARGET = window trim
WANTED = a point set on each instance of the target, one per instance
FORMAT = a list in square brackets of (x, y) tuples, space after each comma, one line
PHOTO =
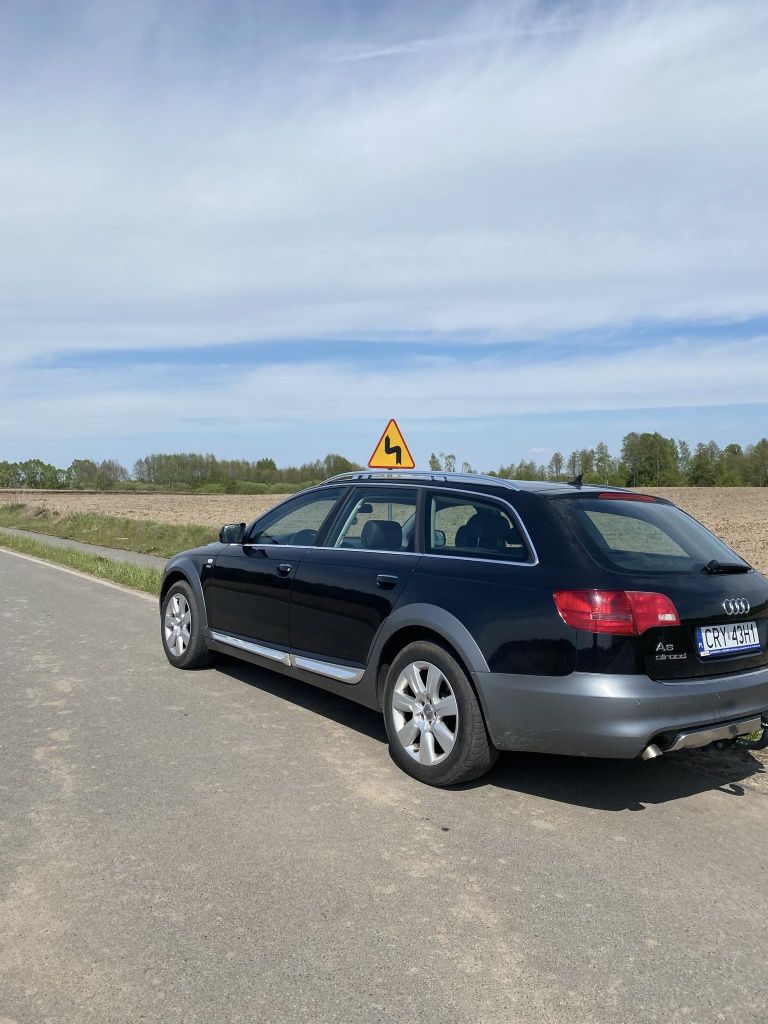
[(421, 523), (533, 557)]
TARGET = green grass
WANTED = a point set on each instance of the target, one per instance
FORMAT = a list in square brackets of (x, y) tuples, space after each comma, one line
[(150, 538), (137, 577)]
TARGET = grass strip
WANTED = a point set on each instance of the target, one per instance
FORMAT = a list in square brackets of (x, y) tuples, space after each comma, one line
[(145, 536), (137, 577)]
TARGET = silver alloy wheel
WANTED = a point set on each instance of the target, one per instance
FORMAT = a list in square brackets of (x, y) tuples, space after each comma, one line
[(425, 713), (178, 624)]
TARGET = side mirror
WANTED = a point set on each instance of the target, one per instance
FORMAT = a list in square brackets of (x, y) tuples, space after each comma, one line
[(439, 539), (232, 533)]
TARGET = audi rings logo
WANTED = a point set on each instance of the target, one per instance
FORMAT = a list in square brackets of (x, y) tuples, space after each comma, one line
[(735, 606)]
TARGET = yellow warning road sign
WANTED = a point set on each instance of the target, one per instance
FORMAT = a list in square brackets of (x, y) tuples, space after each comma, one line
[(391, 452)]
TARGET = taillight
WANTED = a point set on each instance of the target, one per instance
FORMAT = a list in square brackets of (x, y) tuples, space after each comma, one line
[(620, 612), (652, 610)]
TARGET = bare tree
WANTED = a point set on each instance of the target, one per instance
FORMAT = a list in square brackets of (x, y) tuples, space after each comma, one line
[(556, 465)]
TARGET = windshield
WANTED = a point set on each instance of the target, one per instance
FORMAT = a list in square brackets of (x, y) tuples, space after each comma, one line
[(643, 536)]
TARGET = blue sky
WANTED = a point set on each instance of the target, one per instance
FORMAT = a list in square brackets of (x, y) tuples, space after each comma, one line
[(263, 229)]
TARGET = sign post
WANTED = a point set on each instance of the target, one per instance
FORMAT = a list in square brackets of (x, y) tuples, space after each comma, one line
[(391, 451)]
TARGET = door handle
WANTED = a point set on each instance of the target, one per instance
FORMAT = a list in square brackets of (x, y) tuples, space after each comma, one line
[(284, 569), (385, 581)]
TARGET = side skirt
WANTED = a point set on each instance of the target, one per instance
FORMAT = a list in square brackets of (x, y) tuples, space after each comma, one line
[(340, 673)]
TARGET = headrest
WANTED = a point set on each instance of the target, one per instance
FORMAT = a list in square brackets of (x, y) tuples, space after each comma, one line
[(382, 535), (484, 530)]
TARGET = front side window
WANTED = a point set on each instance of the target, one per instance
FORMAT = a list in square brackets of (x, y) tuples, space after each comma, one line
[(466, 527), (377, 520), (298, 522)]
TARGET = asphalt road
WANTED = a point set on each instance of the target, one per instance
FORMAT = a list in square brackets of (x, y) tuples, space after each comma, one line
[(227, 845)]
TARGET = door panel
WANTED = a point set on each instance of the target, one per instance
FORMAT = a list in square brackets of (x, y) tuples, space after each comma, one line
[(340, 598), (344, 590), (250, 592)]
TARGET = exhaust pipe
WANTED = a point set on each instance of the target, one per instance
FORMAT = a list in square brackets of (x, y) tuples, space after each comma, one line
[(650, 752)]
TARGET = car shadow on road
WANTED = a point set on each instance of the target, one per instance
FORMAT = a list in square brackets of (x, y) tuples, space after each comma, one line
[(581, 781), (319, 702), (610, 785)]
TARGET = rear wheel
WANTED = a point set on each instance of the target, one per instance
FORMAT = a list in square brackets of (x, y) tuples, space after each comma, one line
[(181, 628), (434, 723)]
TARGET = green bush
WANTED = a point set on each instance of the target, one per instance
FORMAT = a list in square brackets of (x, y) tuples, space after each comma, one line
[(249, 487), (284, 488)]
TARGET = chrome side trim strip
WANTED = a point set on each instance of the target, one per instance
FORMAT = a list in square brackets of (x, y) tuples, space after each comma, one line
[(471, 558), (264, 652), (340, 673)]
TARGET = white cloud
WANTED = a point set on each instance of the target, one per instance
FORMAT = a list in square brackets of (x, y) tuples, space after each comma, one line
[(311, 397), (510, 174)]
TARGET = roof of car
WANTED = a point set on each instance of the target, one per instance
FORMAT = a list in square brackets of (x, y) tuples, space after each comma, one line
[(465, 480)]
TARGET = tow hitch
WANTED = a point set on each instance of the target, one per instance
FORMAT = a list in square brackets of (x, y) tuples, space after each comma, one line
[(761, 744)]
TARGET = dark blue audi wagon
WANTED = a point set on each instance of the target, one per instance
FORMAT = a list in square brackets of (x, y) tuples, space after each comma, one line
[(481, 614)]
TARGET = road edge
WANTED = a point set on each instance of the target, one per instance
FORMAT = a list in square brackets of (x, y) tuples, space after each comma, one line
[(80, 575)]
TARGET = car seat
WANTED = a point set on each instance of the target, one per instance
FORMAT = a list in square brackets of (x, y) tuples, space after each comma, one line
[(382, 535), (486, 530)]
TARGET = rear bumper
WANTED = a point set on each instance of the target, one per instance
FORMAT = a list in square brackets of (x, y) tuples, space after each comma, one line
[(610, 715)]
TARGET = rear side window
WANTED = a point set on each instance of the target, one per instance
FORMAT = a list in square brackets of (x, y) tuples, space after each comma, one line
[(462, 526), (377, 520), (632, 536)]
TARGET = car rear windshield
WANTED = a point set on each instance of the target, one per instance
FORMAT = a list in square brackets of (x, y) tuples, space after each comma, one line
[(642, 536)]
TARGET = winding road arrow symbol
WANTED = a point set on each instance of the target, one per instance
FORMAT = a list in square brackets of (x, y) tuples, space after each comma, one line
[(393, 449)]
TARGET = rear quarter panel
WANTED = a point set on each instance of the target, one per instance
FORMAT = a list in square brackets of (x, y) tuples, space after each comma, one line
[(508, 609)]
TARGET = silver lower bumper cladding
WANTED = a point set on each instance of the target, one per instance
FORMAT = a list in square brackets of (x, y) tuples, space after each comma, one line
[(702, 737)]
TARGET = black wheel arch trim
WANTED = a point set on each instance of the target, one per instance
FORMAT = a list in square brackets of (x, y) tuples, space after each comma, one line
[(184, 568), (436, 620)]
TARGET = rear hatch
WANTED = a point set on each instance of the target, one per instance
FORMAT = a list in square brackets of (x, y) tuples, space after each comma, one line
[(650, 545), (721, 620)]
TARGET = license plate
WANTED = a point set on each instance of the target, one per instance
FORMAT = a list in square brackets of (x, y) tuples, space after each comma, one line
[(730, 638)]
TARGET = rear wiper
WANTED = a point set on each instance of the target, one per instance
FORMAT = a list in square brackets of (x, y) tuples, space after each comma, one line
[(715, 568)]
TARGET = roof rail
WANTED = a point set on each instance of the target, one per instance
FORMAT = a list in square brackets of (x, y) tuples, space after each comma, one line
[(415, 474)]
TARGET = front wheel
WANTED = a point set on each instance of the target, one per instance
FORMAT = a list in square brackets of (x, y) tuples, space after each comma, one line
[(181, 628), (434, 723)]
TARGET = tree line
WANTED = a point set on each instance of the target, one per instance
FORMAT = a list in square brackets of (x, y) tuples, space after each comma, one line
[(645, 460), (176, 471)]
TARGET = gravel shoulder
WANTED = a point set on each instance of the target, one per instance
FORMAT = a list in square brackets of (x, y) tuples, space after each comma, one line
[(113, 554)]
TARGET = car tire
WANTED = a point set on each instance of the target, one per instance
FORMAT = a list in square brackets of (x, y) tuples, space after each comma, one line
[(181, 628), (434, 723)]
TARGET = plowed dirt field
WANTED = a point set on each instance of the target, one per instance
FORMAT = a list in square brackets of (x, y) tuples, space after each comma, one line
[(737, 514)]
